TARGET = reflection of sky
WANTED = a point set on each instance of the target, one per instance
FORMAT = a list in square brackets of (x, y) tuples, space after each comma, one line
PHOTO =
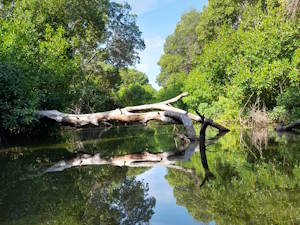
[(166, 210)]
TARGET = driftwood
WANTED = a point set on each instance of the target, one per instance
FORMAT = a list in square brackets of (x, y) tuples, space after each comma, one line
[(290, 127), (162, 111)]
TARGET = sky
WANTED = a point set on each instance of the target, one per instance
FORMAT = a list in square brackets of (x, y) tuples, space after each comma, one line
[(157, 19)]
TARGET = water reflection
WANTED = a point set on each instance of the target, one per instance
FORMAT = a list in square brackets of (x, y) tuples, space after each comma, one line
[(256, 179), (166, 209), (257, 184), (80, 196), (128, 203)]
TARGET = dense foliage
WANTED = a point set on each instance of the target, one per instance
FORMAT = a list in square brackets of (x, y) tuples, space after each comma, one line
[(66, 55), (75, 56), (233, 50), (135, 88)]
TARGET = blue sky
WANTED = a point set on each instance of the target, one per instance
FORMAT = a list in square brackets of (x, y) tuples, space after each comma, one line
[(157, 19)]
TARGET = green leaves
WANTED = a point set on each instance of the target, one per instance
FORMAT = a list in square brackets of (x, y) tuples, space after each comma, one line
[(135, 94), (130, 76), (65, 55), (134, 89), (244, 49)]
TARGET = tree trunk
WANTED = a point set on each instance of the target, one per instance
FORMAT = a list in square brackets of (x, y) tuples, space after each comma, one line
[(162, 111), (280, 127)]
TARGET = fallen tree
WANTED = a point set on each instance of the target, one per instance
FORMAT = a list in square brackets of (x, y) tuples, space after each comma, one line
[(290, 127), (162, 111)]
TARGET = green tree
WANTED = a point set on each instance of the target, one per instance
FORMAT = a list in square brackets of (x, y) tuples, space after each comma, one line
[(130, 76), (180, 48), (134, 89), (241, 49), (63, 55), (135, 94)]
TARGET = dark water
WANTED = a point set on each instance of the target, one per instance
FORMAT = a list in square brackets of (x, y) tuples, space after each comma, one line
[(254, 179)]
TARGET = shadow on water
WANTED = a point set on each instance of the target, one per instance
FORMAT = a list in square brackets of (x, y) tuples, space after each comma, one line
[(243, 177)]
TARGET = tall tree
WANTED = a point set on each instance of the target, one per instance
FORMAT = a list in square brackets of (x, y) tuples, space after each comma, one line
[(69, 53)]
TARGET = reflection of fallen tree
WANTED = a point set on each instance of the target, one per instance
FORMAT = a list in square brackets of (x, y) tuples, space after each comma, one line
[(145, 159), (162, 111)]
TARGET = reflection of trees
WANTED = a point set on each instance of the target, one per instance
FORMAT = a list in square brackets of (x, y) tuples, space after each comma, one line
[(106, 140), (78, 196), (246, 190), (122, 140), (126, 204), (28, 196), (258, 187), (279, 151)]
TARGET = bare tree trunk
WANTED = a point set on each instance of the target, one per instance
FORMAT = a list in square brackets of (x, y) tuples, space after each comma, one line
[(289, 127), (162, 111)]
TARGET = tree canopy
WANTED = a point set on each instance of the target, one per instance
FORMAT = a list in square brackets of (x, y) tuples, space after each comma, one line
[(232, 50), (64, 55), (78, 56)]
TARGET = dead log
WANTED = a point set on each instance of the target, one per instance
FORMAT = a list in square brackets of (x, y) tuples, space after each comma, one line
[(185, 120), (162, 111), (122, 115), (290, 127)]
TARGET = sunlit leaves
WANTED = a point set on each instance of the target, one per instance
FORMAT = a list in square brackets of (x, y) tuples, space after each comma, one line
[(63, 55), (253, 51)]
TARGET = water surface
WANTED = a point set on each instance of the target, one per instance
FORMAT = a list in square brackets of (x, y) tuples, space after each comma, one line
[(255, 179)]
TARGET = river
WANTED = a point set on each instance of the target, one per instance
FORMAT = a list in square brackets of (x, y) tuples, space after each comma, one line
[(254, 178)]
